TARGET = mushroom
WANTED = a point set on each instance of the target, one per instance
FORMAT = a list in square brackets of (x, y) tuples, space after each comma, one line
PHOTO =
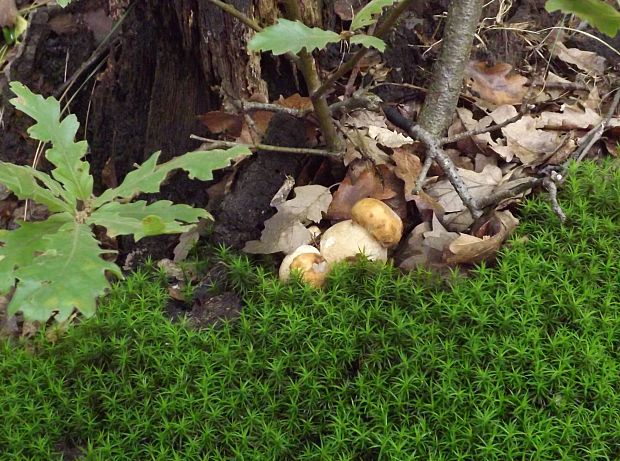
[(379, 219), (308, 260), (347, 239)]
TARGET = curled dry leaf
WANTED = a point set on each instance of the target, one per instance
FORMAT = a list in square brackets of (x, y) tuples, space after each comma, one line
[(425, 245), (471, 249), (408, 167), (295, 101), (219, 121), (285, 231), (364, 180), (388, 138), (479, 184), (529, 144), (497, 84), (587, 61)]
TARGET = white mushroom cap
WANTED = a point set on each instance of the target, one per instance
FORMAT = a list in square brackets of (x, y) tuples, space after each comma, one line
[(285, 268), (347, 239)]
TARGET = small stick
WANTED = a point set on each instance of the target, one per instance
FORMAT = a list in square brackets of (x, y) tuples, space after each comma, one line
[(268, 147), (428, 161), (549, 184), (596, 132), (477, 131)]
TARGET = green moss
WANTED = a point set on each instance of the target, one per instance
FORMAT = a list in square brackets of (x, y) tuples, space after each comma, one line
[(521, 361)]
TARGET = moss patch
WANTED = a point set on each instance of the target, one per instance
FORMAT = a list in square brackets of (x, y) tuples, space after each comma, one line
[(520, 361)]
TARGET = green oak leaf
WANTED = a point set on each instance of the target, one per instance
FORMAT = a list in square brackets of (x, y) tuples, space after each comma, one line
[(365, 16), (368, 41), (291, 36), (22, 181), (138, 218), (148, 177), (66, 155), (69, 273), (597, 13), (20, 246)]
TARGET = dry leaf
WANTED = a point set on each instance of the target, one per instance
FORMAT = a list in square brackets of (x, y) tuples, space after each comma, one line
[(408, 168), (364, 180), (388, 138), (470, 249), (218, 122), (529, 144), (497, 84), (480, 185), (364, 119), (570, 118), (295, 101), (587, 61), (285, 230)]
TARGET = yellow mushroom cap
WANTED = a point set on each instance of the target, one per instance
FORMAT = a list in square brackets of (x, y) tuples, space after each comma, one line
[(309, 261), (379, 219)]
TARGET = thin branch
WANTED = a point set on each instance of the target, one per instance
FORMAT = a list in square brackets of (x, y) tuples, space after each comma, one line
[(217, 143), (250, 106), (311, 76), (245, 19), (509, 193), (428, 161), (552, 188), (596, 132), (477, 131), (348, 66)]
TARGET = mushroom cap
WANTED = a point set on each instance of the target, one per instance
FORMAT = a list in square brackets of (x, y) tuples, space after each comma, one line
[(347, 239), (285, 268), (313, 268), (379, 219)]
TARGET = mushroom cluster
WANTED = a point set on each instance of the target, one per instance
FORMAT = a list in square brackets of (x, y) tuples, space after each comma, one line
[(373, 228)]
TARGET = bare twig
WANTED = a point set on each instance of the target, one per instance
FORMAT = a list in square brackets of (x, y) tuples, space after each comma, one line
[(477, 131), (419, 183), (596, 132), (250, 106), (237, 14), (550, 185), (217, 143)]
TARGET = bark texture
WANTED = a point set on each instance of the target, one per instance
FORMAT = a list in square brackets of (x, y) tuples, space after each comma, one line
[(448, 70)]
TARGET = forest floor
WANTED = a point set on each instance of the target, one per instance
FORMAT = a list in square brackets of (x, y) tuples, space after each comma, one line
[(515, 361)]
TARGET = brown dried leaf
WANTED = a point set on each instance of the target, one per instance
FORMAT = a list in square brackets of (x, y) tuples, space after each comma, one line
[(218, 122), (470, 249), (479, 184), (496, 84), (364, 180), (284, 231), (588, 61), (529, 144), (408, 166), (295, 101)]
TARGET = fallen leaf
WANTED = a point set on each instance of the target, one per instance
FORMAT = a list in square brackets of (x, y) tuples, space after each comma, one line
[(479, 184), (218, 122), (427, 206), (365, 147), (286, 230), (569, 118), (497, 84), (529, 144), (472, 249), (295, 101), (388, 138), (588, 61), (364, 119), (364, 180), (408, 167)]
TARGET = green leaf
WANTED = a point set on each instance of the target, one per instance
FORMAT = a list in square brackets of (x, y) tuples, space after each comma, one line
[(597, 13), (63, 3), (66, 273), (291, 36), (19, 246), (148, 177), (66, 155), (141, 220), (365, 16), (368, 41), (200, 164), (22, 181)]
